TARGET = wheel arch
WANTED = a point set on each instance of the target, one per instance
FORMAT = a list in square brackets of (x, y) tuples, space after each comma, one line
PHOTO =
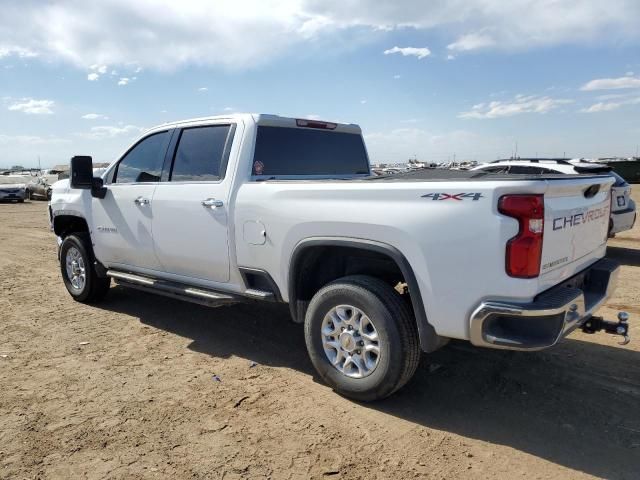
[(303, 254), (67, 223)]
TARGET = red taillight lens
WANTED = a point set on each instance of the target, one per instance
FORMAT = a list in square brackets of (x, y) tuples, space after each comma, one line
[(524, 251)]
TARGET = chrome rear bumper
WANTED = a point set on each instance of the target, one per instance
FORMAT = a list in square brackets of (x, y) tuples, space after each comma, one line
[(552, 315)]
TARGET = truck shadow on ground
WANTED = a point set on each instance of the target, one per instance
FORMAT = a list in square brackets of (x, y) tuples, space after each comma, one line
[(626, 256), (575, 405)]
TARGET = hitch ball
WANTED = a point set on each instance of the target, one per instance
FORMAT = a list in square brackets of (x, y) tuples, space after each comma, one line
[(623, 317)]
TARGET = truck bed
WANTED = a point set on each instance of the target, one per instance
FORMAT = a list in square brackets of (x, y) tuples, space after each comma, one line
[(440, 174)]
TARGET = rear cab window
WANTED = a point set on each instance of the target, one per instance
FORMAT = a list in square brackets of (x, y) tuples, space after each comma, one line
[(201, 154), (292, 153)]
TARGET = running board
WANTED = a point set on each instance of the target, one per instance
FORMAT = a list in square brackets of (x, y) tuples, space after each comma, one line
[(176, 290)]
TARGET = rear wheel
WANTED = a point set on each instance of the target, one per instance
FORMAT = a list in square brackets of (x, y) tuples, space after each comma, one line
[(78, 272), (361, 337)]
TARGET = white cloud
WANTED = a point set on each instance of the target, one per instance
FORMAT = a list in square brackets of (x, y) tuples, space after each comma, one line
[(20, 52), (409, 51), (101, 69), (166, 35), (33, 106), (92, 77), (629, 74), (471, 41), (602, 107), (363, 101), (203, 89), (451, 57), (95, 116), (111, 131), (397, 77), (607, 106), (123, 81), (612, 83), (229, 109), (312, 116), (519, 105)]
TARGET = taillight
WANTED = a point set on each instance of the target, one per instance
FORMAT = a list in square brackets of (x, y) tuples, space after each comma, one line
[(524, 251)]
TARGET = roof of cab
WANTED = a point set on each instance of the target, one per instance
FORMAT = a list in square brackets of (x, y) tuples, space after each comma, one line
[(264, 119)]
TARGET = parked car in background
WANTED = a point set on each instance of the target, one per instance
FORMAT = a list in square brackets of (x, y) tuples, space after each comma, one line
[(12, 188), (623, 208), (38, 189)]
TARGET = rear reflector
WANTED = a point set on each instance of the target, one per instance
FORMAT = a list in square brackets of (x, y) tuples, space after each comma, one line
[(524, 251), (315, 124)]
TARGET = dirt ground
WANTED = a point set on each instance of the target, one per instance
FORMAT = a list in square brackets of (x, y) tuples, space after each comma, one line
[(147, 387)]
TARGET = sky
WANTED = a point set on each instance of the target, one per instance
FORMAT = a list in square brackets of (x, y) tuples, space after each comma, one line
[(433, 80)]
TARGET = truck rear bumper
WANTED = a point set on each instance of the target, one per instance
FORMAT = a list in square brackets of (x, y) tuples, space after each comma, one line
[(552, 315)]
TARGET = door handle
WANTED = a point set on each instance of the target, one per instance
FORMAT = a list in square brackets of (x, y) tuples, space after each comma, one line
[(212, 203), (141, 201)]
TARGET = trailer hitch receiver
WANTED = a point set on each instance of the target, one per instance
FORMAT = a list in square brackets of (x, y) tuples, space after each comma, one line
[(621, 327)]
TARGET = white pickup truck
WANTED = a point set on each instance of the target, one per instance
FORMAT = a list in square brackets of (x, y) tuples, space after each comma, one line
[(260, 207)]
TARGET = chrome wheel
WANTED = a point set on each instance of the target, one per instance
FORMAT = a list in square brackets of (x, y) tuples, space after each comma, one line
[(350, 341), (76, 272)]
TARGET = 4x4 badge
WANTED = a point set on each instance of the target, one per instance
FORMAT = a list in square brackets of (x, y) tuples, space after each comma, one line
[(453, 196)]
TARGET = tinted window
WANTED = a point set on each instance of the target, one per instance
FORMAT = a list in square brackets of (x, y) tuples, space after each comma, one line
[(200, 153), (525, 170), (502, 169), (301, 151), (144, 162)]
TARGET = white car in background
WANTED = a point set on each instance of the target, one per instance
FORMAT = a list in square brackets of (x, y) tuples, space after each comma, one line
[(623, 208), (13, 188)]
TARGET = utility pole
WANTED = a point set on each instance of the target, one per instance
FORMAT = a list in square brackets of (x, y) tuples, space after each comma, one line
[(39, 167)]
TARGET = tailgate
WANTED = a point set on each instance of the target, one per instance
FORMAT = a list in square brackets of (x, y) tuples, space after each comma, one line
[(576, 222)]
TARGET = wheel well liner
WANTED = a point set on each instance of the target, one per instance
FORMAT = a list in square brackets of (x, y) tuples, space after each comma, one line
[(304, 253), (63, 225)]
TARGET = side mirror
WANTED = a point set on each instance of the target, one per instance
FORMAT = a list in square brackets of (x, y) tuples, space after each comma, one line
[(81, 172), (98, 190)]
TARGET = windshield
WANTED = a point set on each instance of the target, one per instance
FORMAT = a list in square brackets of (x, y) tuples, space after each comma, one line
[(283, 151)]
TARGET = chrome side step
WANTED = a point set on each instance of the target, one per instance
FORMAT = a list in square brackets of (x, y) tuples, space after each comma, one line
[(259, 294), (176, 290)]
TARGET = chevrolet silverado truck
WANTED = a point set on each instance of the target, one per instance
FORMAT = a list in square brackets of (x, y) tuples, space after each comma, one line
[(250, 207)]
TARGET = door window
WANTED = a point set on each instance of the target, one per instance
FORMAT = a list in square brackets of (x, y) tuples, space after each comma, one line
[(143, 163), (201, 154), (525, 169)]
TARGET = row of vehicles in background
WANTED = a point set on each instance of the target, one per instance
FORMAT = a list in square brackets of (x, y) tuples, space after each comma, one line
[(18, 187)]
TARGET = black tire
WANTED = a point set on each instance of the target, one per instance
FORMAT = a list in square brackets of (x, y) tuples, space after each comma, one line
[(49, 194), (94, 288), (394, 323), (27, 194)]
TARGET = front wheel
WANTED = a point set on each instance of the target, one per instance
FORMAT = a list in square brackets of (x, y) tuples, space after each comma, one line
[(78, 272), (362, 337)]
